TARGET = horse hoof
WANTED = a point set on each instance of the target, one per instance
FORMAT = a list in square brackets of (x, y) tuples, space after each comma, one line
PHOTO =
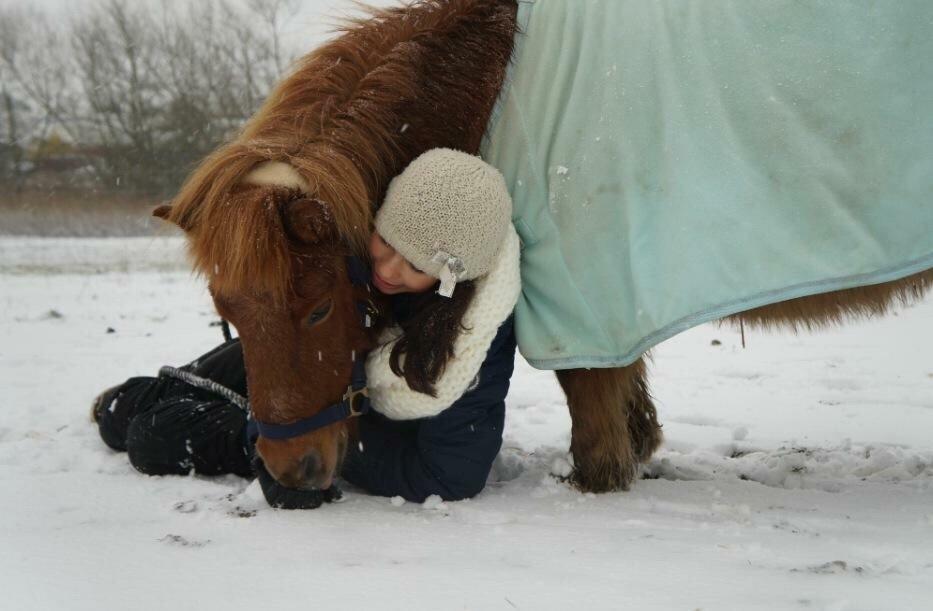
[(604, 476)]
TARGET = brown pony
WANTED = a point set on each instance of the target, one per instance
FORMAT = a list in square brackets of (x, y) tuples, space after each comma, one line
[(268, 214)]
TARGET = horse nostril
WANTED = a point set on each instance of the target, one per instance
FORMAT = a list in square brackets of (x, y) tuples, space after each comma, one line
[(311, 465)]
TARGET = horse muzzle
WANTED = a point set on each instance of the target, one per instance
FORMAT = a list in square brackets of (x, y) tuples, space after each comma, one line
[(280, 497)]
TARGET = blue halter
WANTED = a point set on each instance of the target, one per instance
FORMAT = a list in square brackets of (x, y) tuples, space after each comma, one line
[(355, 401)]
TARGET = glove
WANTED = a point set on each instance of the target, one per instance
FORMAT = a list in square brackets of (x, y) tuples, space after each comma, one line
[(280, 497)]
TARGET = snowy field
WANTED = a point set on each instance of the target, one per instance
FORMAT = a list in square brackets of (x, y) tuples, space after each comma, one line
[(797, 474)]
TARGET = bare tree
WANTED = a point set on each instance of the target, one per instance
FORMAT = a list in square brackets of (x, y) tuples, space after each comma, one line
[(273, 13), (11, 152), (110, 49), (144, 93), (33, 86), (37, 63)]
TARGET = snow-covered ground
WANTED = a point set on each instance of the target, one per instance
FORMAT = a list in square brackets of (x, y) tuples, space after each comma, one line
[(797, 474)]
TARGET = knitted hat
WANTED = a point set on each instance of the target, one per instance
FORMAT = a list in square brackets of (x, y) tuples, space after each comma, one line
[(447, 213)]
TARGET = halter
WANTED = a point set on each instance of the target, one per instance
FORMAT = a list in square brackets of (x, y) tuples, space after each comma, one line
[(355, 401)]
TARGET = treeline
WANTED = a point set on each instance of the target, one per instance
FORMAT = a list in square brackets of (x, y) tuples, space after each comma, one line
[(130, 95)]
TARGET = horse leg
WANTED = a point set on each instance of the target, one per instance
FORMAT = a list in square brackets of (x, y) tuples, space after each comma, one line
[(614, 425), (827, 309)]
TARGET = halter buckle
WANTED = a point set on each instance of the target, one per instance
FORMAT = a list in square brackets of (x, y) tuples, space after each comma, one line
[(370, 313), (351, 398)]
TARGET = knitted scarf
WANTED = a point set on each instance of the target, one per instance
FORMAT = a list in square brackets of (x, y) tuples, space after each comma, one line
[(495, 297)]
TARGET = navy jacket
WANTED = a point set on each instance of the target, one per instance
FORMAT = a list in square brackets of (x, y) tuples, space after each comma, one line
[(450, 454)]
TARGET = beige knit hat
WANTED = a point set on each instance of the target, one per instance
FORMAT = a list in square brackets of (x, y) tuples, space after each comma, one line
[(447, 213)]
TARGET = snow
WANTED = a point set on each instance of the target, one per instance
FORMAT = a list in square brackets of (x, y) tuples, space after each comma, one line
[(434, 502), (796, 474)]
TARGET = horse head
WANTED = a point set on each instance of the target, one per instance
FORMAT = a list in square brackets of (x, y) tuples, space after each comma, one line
[(279, 270)]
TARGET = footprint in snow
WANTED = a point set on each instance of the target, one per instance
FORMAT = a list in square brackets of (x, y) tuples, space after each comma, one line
[(185, 507), (179, 541)]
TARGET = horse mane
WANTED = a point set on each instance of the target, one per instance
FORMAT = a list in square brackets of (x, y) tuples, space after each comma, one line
[(349, 117)]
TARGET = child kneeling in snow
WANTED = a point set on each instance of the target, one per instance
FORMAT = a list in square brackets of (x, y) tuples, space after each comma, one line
[(437, 381)]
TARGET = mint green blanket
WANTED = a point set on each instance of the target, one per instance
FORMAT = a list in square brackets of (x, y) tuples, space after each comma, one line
[(675, 161)]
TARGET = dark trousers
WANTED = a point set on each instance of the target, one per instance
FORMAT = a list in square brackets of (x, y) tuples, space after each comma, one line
[(170, 427)]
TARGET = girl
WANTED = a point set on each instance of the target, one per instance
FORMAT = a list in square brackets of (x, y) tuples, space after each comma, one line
[(445, 250)]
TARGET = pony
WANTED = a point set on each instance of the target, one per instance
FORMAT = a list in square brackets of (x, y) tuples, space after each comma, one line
[(270, 215)]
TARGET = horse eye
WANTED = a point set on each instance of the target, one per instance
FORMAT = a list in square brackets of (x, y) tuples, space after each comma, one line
[(317, 315)]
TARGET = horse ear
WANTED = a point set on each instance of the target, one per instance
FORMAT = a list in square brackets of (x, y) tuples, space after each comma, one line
[(162, 211), (309, 220)]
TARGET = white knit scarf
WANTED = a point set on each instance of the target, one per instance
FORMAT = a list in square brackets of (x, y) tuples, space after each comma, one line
[(495, 298)]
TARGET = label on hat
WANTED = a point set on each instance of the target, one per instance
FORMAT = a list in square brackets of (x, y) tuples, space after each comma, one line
[(452, 269)]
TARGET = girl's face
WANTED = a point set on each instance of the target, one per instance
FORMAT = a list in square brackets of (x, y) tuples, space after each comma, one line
[(392, 273)]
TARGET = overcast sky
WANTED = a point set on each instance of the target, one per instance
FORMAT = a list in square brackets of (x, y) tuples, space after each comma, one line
[(308, 28)]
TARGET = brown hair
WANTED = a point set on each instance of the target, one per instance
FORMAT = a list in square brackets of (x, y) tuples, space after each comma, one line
[(428, 336)]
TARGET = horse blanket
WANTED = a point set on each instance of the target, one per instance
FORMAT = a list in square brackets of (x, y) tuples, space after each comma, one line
[(675, 162)]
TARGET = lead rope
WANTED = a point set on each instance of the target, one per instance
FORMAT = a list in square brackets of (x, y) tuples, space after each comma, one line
[(225, 327), (205, 384)]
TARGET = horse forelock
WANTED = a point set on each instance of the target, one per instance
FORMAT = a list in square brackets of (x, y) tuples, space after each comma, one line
[(248, 250)]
